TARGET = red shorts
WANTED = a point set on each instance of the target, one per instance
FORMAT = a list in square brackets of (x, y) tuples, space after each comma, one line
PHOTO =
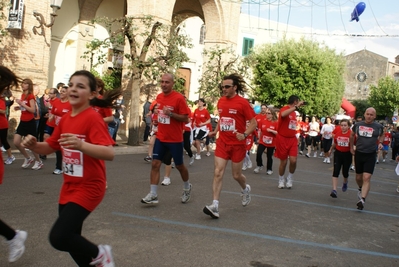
[(235, 153), (286, 146)]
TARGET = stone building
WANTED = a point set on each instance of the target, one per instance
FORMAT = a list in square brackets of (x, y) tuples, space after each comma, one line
[(365, 68)]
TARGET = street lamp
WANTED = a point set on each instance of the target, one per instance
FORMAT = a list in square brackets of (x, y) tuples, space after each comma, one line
[(55, 4)]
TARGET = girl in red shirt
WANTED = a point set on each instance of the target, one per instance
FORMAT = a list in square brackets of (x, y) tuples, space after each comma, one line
[(27, 124), (342, 156), (85, 143)]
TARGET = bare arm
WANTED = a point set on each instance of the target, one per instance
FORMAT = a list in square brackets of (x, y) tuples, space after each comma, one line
[(108, 119), (42, 148)]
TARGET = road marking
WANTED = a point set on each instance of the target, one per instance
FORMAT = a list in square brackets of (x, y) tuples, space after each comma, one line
[(262, 236)]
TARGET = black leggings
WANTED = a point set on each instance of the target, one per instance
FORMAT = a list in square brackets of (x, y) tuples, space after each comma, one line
[(3, 138), (344, 160), (6, 231), (269, 153), (58, 160), (187, 143), (66, 234)]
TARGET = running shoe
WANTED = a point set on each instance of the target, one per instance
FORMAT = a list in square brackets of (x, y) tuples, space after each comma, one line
[(344, 187), (212, 210), (208, 154), (359, 194), (307, 155), (246, 197), (37, 166), (300, 152), (244, 167), (186, 196), (198, 156), (148, 159), (27, 162), (288, 184), (360, 204), (192, 160), (258, 169), (104, 258), (249, 165), (315, 155), (17, 246), (269, 172), (333, 194), (150, 199), (321, 154), (57, 171), (9, 160), (173, 164), (166, 181), (328, 161), (352, 168), (325, 160), (281, 182)]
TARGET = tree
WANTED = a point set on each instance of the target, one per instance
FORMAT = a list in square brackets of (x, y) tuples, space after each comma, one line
[(361, 106), (385, 96), (219, 63), (4, 4), (305, 68), (154, 48)]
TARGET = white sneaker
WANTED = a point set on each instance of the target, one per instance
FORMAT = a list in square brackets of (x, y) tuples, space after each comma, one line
[(208, 154), (383, 160), (315, 155), (246, 197), (192, 160), (328, 161), (3, 149), (150, 199), (212, 211), (166, 181), (325, 160), (9, 160), (269, 172), (186, 196), (104, 258), (321, 154), (16, 246), (249, 165), (289, 183), (301, 152), (38, 165), (27, 162), (198, 156), (57, 171), (244, 167), (281, 182), (258, 169)]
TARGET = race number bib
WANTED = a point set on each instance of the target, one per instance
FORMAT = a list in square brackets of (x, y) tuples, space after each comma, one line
[(365, 131), (292, 125), (163, 118), (72, 162), (327, 135), (343, 141), (227, 124), (267, 139)]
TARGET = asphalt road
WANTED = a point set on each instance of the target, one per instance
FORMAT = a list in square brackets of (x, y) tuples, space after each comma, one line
[(303, 226)]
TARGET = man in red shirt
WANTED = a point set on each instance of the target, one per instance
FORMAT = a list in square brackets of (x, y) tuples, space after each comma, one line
[(234, 112), (286, 140), (172, 115)]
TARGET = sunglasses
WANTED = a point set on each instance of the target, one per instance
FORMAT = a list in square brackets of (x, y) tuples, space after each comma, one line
[(226, 86)]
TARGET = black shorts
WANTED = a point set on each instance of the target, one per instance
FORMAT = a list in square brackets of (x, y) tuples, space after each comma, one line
[(26, 127), (200, 134), (365, 162)]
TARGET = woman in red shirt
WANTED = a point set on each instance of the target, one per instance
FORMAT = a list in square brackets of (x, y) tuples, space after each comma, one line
[(27, 124), (85, 143), (342, 156)]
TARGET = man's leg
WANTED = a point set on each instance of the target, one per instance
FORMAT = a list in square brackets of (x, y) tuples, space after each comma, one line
[(366, 177), (220, 166), (281, 168)]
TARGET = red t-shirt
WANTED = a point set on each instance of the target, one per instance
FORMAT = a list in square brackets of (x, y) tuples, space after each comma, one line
[(234, 113), (60, 109), (3, 117), (201, 116), (169, 129), (249, 141), (387, 139), (84, 176), (341, 140), (104, 112), (52, 102), (304, 128), (287, 125), (26, 115), (259, 118), (267, 138)]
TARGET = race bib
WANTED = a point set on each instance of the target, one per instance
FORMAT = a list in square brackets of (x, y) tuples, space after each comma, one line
[(267, 139), (365, 131), (327, 135), (163, 118), (343, 141), (227, 124), (72, 162), (292, 125)]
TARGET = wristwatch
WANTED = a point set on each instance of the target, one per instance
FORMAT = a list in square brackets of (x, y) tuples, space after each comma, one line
[(245, 135)]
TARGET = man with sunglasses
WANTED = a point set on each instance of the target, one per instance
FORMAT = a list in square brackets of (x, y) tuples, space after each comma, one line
[(234, 111), (286, 140)]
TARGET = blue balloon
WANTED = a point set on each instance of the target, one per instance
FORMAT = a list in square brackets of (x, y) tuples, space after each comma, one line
[(357, 11), (257, 109)]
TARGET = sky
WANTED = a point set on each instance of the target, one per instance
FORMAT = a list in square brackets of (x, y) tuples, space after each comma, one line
[(328, 21)]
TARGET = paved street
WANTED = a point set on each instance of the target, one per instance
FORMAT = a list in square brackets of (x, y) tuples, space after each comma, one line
[(303, 226)]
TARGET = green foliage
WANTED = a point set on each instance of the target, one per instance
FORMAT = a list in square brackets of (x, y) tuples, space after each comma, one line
[(304, 68), (4, 5), (361, 106), (219, 63), (385, 96)]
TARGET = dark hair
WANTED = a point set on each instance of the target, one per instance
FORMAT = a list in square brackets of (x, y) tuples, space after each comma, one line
[(202, 100), (55, 91), (60, 85), (237, 81), (101, 85), (345, 120), (109, 96), (292, 99), (7, 79)]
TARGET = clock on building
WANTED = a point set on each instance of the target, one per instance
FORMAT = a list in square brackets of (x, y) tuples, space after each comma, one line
[(361, 76)]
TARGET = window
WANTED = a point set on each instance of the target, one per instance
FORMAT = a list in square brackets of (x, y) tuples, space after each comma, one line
[(202, 34), (247, 46)]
